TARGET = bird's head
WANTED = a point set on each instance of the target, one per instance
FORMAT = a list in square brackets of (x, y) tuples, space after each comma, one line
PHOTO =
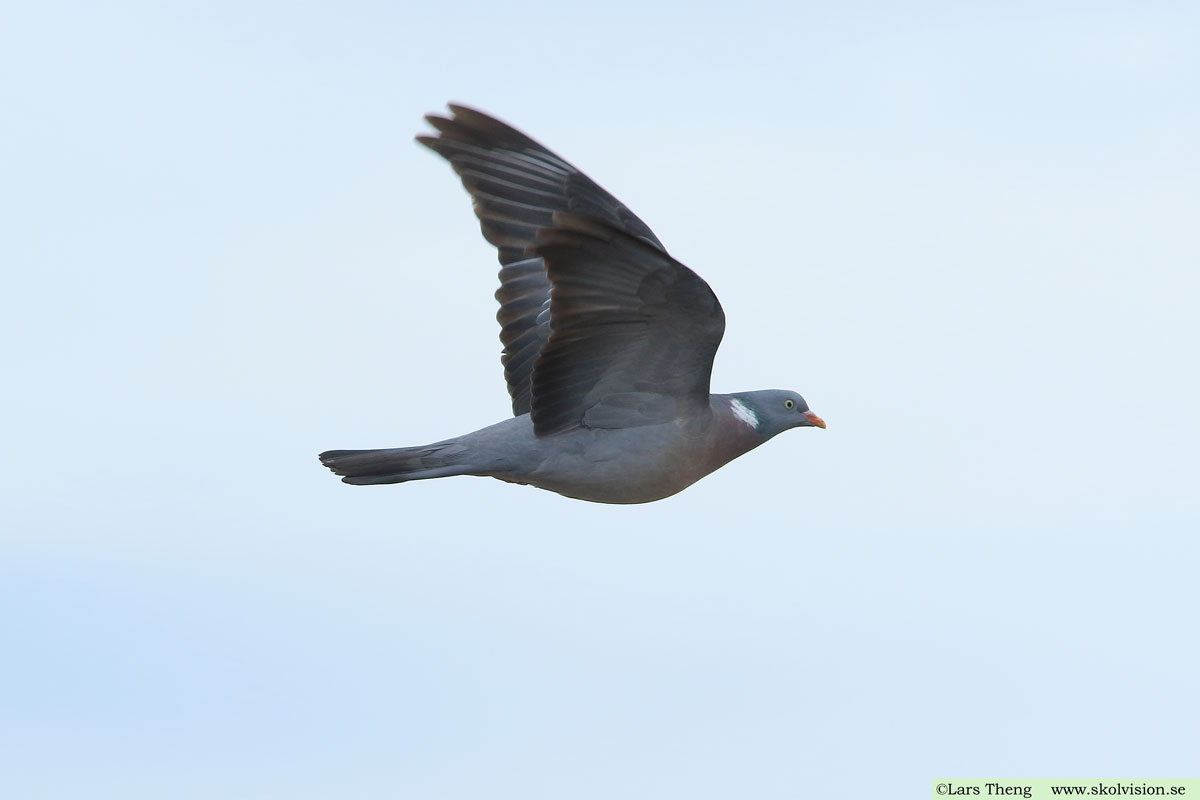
[(773, 411)]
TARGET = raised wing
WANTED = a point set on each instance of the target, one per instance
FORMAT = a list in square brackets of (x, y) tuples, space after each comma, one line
[(517, 185), (633, 332)]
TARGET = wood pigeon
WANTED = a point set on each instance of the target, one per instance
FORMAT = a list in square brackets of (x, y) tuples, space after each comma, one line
[(608, 342)]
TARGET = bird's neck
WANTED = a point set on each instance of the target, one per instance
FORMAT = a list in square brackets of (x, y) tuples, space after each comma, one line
[(735, 428)]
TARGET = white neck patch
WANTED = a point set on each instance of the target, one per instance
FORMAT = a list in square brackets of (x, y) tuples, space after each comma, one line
[(743, 412)]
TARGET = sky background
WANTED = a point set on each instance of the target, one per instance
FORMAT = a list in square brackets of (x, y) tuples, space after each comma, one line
[(966, 233)]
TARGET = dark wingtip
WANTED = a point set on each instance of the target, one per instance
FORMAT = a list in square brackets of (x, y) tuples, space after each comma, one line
[(442, 124)]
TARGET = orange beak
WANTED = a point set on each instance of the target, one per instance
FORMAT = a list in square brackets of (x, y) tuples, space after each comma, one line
[(814, 419)]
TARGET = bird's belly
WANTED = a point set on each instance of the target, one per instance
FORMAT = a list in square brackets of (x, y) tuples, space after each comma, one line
[(633, 466), (619, 491)]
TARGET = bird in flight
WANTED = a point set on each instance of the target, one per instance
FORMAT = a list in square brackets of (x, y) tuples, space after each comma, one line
[(608, 341)]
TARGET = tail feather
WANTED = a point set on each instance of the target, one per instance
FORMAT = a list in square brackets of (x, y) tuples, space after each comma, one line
[(397, 464)]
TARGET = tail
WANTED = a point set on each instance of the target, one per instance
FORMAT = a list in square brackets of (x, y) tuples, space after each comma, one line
[(398, 464)]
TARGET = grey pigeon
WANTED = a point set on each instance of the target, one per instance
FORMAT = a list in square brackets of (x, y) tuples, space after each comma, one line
[(608, 342)]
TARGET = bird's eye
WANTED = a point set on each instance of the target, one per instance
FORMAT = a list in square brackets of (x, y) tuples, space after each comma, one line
[(789, 404)]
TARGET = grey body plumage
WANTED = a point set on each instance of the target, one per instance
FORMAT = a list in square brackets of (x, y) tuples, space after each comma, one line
[(608, 342)]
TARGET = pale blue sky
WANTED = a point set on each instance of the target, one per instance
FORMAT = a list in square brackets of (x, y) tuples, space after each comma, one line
[(967, 235)]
